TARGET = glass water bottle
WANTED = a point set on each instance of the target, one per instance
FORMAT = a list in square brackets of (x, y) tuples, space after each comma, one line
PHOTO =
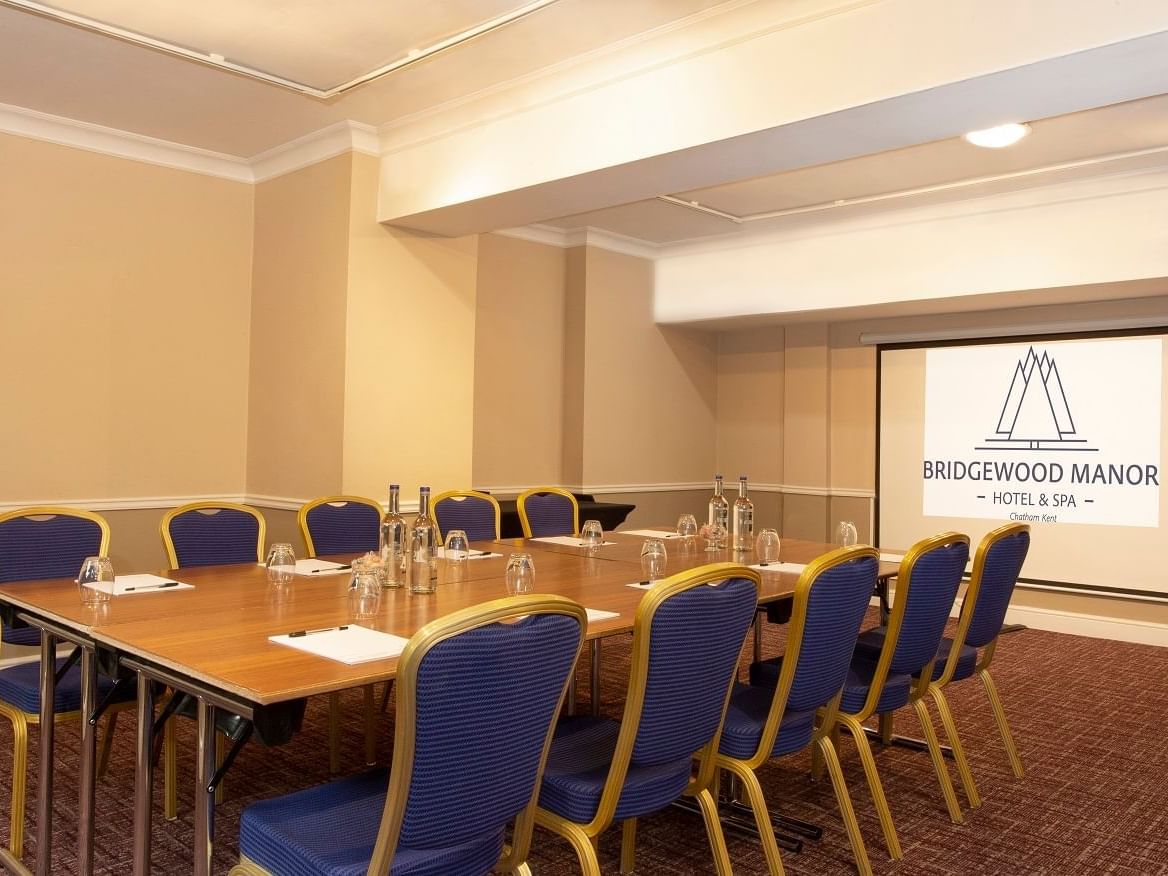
[(424, 548), (743, 518), (719, 511), (392, 541)]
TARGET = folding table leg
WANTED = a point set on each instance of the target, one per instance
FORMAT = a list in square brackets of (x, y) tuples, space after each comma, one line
[(144, 776), (88, 768), (204, 794), (44, 862)]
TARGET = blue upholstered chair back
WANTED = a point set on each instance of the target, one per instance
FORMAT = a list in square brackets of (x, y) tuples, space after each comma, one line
[(836, 604), (474, 516), (36, 547), (485, 700), (936, 575), (550, 514), (343, 527), (695, 643), (211, 537), (1000, 571)]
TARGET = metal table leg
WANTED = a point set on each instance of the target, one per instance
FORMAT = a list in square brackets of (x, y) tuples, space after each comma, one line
[(88, 770), (144, 776), (595, 681), (44, 827), (204, 794)]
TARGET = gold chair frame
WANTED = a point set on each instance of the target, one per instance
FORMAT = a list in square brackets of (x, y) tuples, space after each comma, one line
[(21, 719), (456, 495), (302, 514), (168, 542), (521, 506), (514, 858), (583, 837), (854, 722), (981, 670), (821, 740)]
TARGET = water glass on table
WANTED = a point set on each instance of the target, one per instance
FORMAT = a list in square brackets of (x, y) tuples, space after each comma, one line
[(653, 559), (281, 564), (846, 534), (766, 546), (592, 534), (96, 570), (715, 536), (364, 590), (455, 552), (520, 574), (687, 527)]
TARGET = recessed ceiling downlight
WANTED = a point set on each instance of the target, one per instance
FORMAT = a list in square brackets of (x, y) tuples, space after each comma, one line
[(997, 137)]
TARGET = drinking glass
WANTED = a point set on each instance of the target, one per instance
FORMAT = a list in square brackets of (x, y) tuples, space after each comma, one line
[(766, 546), (357, 568), (454, 554), (846, 534), (365, 591), (653, 558), (715, 536), (687, 527), (281, 564), (96, 570), (520, 574), (592, 534)]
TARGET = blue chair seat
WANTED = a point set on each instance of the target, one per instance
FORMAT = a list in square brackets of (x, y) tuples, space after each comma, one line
[(20, 686), (22, 635), (871, 641), (746, 715), (578, 765), (330, 830), (894, 695)]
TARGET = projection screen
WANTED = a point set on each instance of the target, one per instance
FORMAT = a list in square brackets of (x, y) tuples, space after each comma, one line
[(1064, 433)]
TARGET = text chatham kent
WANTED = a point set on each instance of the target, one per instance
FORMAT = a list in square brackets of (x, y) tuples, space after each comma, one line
[(1042, 472)]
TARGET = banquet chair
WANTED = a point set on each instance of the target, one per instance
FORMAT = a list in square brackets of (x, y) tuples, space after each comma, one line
[(207, 534), (547, 511), (478, 693), (477, 514), (38, 543), (792, 700), (344, 525), (687, 638), (897, 671), (340, 525)]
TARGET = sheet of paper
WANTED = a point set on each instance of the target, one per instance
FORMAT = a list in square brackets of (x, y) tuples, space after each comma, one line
[(130, 585), (793, 568), (641, 585), (569, 540), (651, 533), (596, 614), (472, 555), (349, 644), (316, 568), (891, 558)]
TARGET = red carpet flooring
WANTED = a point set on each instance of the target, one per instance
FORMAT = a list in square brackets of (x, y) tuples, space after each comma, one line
[(1087, 714)]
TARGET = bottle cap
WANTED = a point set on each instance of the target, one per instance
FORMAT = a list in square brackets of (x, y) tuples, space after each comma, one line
[(742, 477), (425, 489), (395, 486), (717, 477)]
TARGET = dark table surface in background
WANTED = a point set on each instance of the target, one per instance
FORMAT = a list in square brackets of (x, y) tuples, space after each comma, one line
[(610, 514)]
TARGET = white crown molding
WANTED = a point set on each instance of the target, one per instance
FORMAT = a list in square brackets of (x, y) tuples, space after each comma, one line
[(121, 144), (336, 139), (135, 503), (585, 236)]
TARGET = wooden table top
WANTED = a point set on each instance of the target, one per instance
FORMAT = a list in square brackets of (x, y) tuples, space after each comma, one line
[(217, 633)]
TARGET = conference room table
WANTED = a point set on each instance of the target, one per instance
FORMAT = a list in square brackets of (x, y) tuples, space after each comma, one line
[(212, 641)]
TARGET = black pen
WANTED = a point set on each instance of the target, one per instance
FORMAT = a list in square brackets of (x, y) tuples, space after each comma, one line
[(333, 569), (152, 586), (644, 583), (298, 633)]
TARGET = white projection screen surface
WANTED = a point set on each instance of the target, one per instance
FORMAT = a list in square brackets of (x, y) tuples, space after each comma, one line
[(1064, 433)]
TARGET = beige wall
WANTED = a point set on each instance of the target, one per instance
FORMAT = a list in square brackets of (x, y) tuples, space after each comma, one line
[(299, 292), (124, 330), (518, 364), (409, 370)]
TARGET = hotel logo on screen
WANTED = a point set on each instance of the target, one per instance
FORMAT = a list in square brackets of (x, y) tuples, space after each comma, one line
[(1042, 463)]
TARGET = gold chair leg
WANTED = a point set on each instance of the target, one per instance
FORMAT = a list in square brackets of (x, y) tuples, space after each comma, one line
[(856, 729), (585, 847), (628, 845), (845, 804), (107, 743), (370, 727), (714, 830), (334, 733), (523, 869), (169, 770), (958, 751), (19, 771), (938, 759), (1003, 726), (886, 728), (762, 819)]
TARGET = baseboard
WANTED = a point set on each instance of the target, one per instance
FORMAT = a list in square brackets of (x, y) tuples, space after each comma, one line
[(1091, 625)]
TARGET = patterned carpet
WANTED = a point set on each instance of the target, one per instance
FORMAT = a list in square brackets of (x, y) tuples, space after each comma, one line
[(1085, 713)]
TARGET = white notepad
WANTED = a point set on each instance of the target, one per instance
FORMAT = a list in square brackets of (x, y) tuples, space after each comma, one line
[(569, 540), (793, 568), (348, 644), (596, 614), (316, 568), (131, 585), (471, 555), (651, 533), (891, 558)]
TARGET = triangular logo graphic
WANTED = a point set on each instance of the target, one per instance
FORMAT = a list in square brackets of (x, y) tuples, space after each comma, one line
[(1035, 414)]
